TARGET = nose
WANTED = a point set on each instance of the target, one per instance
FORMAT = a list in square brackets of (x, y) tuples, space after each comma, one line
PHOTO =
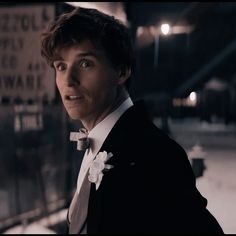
[(72, 78)]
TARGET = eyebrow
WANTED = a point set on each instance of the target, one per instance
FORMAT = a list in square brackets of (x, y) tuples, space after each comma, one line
[(83, 54), (87, 54)]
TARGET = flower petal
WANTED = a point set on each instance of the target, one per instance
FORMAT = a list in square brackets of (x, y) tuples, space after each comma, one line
[(93, 178), (99, 180), (108, 166), (97, 166)]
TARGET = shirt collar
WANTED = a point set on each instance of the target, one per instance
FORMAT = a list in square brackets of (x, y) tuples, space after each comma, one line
[(99, 133)]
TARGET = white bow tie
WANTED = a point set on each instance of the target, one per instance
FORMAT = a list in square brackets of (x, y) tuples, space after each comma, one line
[(81, 138)]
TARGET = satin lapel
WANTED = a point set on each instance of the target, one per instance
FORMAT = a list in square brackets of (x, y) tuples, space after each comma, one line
[(72, 206)]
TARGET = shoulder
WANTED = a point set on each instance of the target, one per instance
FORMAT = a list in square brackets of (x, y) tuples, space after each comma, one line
[(158, 152)]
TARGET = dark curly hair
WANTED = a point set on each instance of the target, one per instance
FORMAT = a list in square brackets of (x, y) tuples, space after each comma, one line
[(101, 29)]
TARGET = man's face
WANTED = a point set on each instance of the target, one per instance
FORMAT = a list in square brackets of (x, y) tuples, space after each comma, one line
[(86, 81)]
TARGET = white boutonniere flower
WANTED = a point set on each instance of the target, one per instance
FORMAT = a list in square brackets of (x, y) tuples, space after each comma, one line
[(98, 166)]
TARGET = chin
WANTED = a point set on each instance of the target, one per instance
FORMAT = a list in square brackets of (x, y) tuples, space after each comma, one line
[(74, 113), (74, 116)]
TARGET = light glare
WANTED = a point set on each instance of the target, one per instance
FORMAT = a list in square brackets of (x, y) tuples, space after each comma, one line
[(165, 29), (193, 96)]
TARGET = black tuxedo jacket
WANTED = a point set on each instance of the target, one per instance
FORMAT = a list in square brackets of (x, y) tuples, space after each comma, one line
[(151, 188)]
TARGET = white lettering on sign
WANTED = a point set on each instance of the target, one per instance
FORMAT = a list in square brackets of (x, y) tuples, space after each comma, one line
[(29, 82), (23, 72), (28, 117), (28, 122)]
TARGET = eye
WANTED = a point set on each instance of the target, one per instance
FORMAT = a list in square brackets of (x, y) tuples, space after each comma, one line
[(60, 66), (85, 64)]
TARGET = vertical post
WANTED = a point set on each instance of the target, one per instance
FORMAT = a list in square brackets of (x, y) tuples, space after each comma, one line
[(156, 50), (188, 40), (16, 182)]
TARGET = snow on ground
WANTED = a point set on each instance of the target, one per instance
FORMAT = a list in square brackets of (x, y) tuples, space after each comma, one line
[(41, 226), (30, 229), (218, 183)]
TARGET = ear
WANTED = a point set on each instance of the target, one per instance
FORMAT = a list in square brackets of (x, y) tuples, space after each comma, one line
[(123, 76)]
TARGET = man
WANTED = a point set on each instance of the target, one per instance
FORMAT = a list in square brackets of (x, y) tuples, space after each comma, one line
[(133, 178)]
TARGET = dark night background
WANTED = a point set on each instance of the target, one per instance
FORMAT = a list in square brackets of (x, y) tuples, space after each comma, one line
[(187, 79)]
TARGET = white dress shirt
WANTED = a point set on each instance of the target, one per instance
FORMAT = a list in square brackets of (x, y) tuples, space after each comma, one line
[(97, 137)]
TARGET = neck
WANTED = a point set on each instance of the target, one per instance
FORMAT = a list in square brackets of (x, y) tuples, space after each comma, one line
[(119, 99)]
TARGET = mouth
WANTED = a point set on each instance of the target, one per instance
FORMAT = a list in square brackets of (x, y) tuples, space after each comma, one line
[(72, 97)]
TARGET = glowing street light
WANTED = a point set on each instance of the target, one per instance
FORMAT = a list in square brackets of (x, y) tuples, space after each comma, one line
[(165, 29), (193, 96), (147, 34), (192, 99)]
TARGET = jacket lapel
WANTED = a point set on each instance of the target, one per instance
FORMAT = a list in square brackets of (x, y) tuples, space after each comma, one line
[(117, 142)]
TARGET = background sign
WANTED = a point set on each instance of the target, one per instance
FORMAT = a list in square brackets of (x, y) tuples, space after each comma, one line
[(23, 72)]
